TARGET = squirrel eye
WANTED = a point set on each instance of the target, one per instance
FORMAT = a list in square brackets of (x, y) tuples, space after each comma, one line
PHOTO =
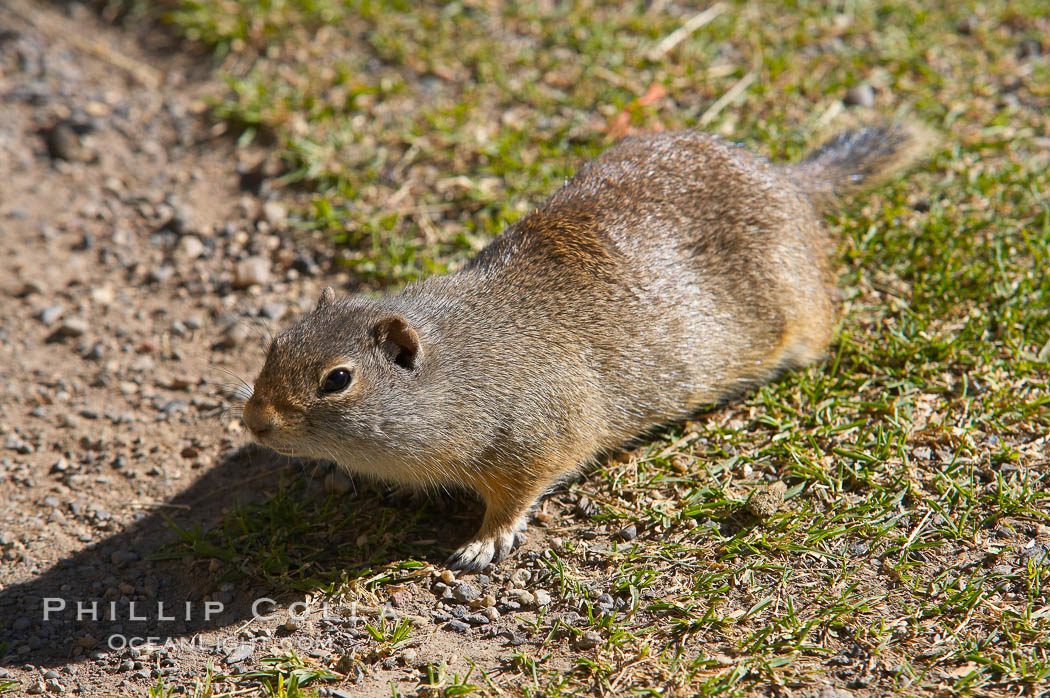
[(336, 380)]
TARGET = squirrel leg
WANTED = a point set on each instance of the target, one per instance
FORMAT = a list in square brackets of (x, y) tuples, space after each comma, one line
[(502, 529)]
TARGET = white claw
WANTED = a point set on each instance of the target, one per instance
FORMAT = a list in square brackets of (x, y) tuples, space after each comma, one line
[(481, 552)]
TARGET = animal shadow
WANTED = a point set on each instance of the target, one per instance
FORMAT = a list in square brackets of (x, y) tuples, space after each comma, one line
[(254, 526)]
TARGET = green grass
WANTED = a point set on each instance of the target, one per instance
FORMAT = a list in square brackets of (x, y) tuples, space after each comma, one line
[(283, 676), (915, 455)]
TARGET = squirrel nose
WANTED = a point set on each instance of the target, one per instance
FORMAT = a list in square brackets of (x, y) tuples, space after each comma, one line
[(259, 420)]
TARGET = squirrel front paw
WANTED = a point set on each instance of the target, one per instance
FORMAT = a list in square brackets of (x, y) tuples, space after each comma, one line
[(484, 549)]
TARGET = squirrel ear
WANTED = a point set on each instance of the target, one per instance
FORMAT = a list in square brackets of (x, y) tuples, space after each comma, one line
[(398, 341), (327, 296)]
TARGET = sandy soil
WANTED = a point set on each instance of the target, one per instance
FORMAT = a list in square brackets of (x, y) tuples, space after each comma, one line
[(145, 258)]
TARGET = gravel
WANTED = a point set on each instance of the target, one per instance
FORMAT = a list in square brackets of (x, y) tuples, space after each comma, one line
[(465, 593)]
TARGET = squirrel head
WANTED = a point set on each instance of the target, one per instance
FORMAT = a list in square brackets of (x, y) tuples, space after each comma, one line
[(340, 381)]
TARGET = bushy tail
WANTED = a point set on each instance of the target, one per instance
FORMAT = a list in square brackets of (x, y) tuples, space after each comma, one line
[(856, 160)]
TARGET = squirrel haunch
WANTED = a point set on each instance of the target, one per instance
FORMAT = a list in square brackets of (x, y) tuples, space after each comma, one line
[(673, 271)]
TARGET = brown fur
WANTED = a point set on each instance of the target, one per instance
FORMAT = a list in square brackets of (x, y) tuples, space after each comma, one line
[(673, 271)]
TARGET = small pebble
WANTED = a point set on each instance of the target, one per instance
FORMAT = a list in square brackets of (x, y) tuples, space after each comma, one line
[(337, 483), (235, 334), (858, 548), (447, 576), (589, 640), (525, 598), (1034, 552), (967, 25), (1029, 48), (629, 532), (465, 593), (457, 626), (767, 501), (62, 142), (30, 288), (174, 407), (182, 222), (159, 275), (96, 352), (251, 272), (14, 443), (401, 598), (49, 314), (274, 213), (239, 653), (190, 247), (305, 265), (274, 311), (860, 96), (543, 598)]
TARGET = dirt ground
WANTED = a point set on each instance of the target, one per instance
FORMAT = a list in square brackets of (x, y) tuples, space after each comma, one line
[(137, 242), (124, 217)]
